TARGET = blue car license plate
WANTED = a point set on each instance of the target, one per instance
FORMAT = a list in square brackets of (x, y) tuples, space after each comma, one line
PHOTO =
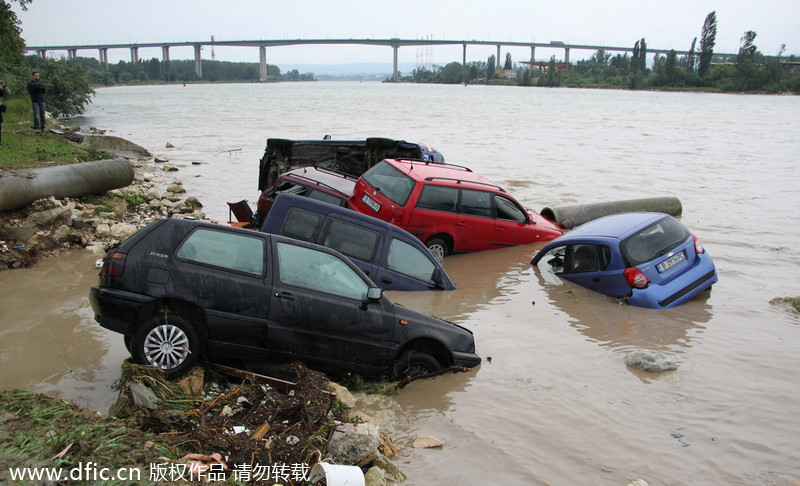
[(371, 203), (670, 262)]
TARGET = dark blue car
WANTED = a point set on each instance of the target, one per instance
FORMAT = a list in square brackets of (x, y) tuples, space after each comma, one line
[(649, 259), (391, 257)]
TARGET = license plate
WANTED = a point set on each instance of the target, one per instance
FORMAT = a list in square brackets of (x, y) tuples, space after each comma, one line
[(371, 203), (670, 262)]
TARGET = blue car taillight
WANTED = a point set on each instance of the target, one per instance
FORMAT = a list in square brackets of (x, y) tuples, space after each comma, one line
[(636, 278), (698, 247), (113, 265)]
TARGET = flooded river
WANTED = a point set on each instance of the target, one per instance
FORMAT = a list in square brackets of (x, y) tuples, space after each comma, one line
[(553, 402)]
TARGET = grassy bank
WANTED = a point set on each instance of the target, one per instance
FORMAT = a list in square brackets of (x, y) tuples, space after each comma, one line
[(23, 148)]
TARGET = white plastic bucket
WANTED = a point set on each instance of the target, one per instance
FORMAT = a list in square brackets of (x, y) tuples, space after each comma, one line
[(337, 475)]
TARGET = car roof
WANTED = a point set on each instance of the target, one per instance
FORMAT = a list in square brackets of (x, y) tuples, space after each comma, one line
[(443, 173), (615, 226), (323, 207)]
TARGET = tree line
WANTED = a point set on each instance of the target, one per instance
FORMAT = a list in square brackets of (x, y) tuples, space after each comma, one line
[(750, 71), (70, 82)]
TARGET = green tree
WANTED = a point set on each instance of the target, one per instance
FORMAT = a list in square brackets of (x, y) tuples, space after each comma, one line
[(708, 38), (11, 44), (68, 90), (508, 65), (643, 56), (690, 59), (490, 67), (746, 70), (671, 67), (453, 73)]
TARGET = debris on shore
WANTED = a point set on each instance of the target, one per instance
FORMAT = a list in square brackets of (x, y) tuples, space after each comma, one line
[(204, 425)]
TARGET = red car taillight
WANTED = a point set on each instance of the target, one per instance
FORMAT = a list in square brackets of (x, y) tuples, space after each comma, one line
[(698, 247), (113, 265), (636, 278)]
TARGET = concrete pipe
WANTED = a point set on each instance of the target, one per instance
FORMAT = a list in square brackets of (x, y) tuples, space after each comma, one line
[(22, 187), (571, 215)]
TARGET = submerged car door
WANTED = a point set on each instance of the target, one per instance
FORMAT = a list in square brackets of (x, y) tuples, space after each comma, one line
[(319, 310), (513, 225)]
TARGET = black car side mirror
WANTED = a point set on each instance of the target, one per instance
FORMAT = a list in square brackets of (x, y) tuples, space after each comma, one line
[(374, 294)]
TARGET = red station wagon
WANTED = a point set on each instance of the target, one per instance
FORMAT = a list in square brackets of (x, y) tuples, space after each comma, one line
[(448, 207)]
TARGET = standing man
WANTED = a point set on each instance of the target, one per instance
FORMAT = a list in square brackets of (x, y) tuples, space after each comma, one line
[(36, 90), (4, 93)]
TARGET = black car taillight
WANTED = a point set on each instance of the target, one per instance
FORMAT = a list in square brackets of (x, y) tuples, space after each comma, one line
[(113, 265)]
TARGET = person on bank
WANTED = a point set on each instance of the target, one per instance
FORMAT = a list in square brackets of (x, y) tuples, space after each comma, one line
[(36, 90), (4, 93)]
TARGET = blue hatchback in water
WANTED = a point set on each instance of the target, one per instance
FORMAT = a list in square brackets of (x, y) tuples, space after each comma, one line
[(649, 259)]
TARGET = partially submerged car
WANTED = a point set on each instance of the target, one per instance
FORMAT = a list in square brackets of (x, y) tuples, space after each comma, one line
[(648, 259), (179, 289), (448, 207), (390, 256), (352, 157), (317, 183)]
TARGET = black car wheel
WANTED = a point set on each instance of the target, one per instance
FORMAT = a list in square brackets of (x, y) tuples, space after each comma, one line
[(167, 342), (415, 363), (438, 248)]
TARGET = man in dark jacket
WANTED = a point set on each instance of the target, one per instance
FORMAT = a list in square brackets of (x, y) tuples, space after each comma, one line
[(36, 90), (4, 93)]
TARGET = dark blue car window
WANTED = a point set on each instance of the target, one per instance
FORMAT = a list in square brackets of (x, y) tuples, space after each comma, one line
[(583, 258), (438, 198), (405, 259), (301, 224), (231, 251), (351, 239), (653, 241)]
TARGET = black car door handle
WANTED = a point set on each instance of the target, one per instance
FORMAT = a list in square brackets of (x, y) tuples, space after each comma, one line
[(386, 280), (284, 295)]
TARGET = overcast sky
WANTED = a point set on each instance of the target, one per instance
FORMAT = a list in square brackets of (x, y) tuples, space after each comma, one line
[(665, 25)]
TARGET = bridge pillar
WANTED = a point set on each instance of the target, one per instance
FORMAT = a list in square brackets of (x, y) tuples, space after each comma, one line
[(395, 73), (72, 53), (104, 57), (533, 55), (134, 54), (566, 56), (165, 61), (198, 65), (262, 66), (464, 56), (497, 62), (42, 53)]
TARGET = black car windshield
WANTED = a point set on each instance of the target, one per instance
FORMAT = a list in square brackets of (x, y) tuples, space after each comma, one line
[(390, 182), (653, 241)]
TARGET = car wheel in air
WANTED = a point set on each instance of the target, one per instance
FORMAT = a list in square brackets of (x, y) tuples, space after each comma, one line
[(166, 342), (415, 363), (380, 143), (438, 248)]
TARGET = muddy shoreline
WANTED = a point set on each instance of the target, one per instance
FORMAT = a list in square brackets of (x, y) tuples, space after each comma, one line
[(49, 226)]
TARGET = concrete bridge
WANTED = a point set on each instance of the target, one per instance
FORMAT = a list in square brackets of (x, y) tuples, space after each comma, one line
[(394, 43)]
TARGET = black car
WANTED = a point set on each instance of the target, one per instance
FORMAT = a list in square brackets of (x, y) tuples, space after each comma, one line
[(351, 157), (179, 290)]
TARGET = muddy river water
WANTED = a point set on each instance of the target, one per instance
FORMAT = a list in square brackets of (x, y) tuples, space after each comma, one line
[(553, 402)]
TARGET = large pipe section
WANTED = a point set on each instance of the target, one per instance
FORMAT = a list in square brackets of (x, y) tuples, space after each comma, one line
[(571, 215), (22, 187)]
